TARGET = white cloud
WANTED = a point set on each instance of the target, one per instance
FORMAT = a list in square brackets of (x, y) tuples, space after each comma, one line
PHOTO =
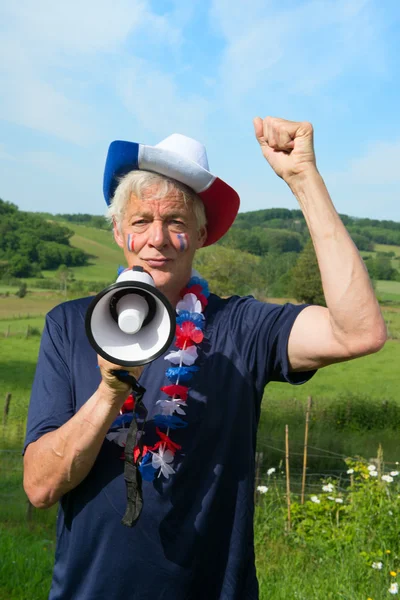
[(56, 57), (378, 166), (156, 101), (295, 51)]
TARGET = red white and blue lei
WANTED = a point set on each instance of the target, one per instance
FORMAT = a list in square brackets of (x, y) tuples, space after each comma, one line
[(158, 459)]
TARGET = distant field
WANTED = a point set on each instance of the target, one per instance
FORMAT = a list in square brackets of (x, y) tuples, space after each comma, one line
[(387, 248), (32, 305), (388, 291), (107, 256)]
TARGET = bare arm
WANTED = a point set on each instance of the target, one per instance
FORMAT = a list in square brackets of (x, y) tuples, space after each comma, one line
[(352, 324), (61, 459)]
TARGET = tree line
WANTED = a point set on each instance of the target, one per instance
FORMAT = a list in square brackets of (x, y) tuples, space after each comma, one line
[(29, 243)]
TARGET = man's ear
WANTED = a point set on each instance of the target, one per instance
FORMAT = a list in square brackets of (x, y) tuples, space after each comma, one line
[(201, 237), (118, 237)]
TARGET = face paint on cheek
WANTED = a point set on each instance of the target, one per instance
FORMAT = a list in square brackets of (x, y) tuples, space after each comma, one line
[(183, 241), (130, 244)]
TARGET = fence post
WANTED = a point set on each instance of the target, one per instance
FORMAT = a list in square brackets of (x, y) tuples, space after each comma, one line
[(28, 330), (287, 476), (303, 483), (7, 333), (6, 408)]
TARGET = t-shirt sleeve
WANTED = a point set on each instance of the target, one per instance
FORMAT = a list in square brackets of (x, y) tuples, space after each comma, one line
[(51, 402), (261, 334)]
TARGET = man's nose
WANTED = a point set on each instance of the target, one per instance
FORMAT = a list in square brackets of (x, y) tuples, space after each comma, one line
[(158, 234)]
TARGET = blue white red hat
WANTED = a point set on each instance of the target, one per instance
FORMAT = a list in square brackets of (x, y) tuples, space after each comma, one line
[(184, 160)]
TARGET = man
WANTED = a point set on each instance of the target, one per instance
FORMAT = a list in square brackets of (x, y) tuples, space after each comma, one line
[(194, 538)]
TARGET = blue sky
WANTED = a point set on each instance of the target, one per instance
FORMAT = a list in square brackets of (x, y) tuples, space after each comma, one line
[(76, 75)]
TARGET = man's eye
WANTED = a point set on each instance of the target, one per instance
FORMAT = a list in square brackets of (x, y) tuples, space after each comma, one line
[(140, 222)]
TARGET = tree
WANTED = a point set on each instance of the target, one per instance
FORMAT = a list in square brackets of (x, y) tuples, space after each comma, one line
[(65, 276), (306, 279), (23, 288)]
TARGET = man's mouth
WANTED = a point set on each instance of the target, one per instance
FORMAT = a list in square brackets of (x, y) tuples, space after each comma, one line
[(156, 262)]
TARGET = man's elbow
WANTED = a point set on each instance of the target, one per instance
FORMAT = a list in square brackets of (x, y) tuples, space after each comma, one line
[(369, 343), (39, 496)]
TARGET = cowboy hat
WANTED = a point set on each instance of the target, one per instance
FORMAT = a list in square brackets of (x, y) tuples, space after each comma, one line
[(181, 158)]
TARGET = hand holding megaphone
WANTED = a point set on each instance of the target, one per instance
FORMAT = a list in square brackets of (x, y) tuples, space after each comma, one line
[(130, 323)]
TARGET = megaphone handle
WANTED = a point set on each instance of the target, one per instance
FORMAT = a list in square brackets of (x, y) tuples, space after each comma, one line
[(132, 476), (126, 377)]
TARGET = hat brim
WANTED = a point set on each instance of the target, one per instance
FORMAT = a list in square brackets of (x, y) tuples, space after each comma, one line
[(221, 202)]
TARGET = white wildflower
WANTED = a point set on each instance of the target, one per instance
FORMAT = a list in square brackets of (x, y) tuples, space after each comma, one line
[(350, 471), (270, 471), (262, 489), (329, 487), (371, 468), (315, 499), (387, 478), (339, 500), (377, 565), (394, 473), (373, 473), (331, 498), (394, 588)]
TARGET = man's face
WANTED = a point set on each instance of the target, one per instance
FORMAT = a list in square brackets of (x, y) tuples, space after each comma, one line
[(161, 236)]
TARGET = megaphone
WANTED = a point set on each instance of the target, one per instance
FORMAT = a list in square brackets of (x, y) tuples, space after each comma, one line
[(130, 323)]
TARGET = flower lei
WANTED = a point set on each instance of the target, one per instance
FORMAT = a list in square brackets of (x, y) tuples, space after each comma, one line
[(154, 461)]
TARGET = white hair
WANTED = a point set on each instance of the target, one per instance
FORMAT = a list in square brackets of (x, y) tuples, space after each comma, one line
[(138, 182)]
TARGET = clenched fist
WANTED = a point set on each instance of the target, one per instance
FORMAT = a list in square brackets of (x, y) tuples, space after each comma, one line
[(288, 146), (115, 389)]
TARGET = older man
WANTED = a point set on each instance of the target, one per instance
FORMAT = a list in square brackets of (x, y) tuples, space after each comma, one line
[(194, 538)]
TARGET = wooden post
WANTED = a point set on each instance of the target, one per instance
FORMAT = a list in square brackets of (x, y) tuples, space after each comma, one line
[(303, 483), (7, 333), (6, 408), (287, 475)]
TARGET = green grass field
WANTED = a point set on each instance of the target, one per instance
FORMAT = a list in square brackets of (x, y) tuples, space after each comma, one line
[(356, 407)]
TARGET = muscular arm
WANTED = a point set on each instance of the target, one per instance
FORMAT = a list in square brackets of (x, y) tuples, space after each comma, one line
[(352, 324), (59, 460)]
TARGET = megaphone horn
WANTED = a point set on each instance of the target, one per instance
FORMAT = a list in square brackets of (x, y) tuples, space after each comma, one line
[(130, 323)]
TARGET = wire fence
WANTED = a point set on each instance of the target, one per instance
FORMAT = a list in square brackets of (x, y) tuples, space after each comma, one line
[(277, 456)]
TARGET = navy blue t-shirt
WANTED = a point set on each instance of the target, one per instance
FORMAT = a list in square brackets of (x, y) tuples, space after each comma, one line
[(194, 538)]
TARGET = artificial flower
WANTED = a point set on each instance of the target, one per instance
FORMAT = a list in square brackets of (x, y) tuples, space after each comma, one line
[(169, 421), (169, 407), (187, 356), (165, 442), (161, 460), (190, 303), (188, 334), (183, 373), (176, 390)]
